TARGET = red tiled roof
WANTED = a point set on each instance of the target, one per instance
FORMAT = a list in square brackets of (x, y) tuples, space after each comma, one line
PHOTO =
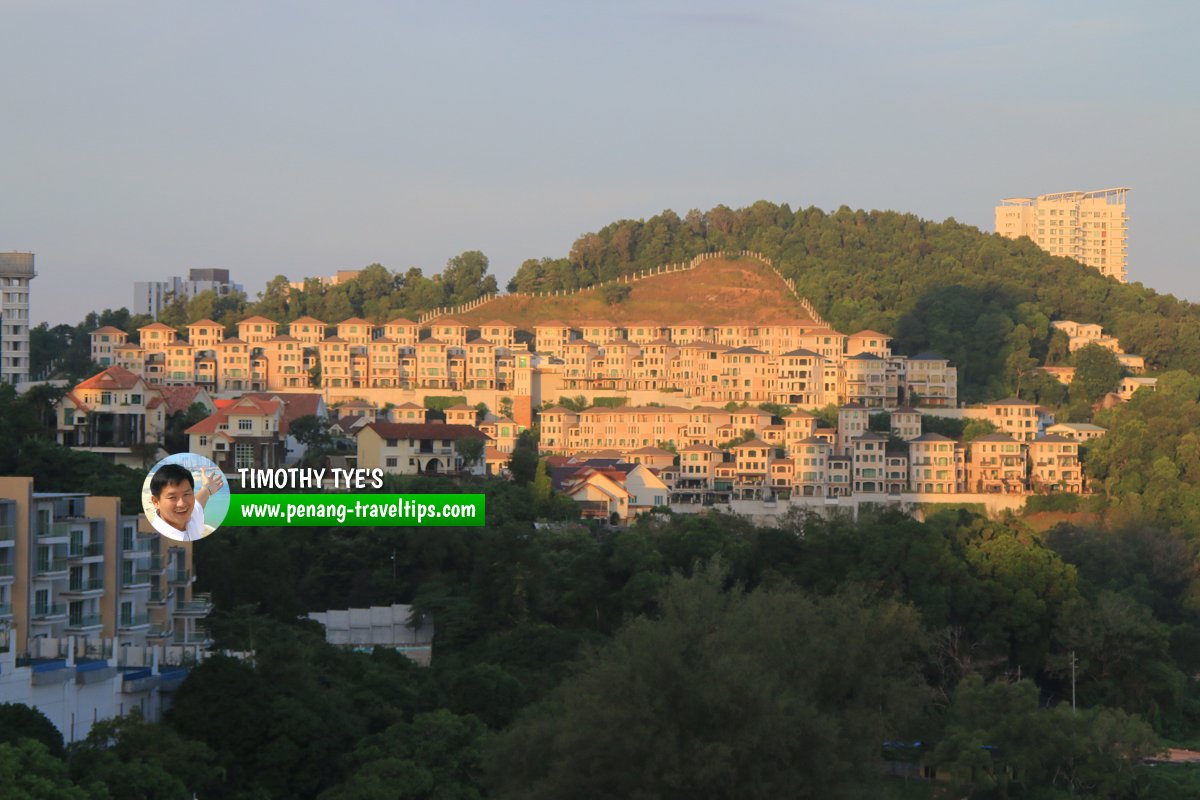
[(295, 405), (111, 378), (243, 405), (109, 329), (79, 404), (179, 398)]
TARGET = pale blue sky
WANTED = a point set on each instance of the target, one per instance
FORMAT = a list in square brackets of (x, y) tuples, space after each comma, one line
[(140, 139)]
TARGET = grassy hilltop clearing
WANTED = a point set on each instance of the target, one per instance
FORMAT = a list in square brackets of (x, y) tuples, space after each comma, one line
[(716, 292)]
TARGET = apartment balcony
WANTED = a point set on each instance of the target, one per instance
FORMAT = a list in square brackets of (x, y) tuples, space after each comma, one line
[(158, 597), (200, 606), (51, 568), (159, 631), (7, 533), (138, 578), (134, 622), (5, 610), (82, 623), (87, 552), (141, 547), (179, 577), (199, 637), (7, 572), (49, 612), (90, 587), (54, 530)]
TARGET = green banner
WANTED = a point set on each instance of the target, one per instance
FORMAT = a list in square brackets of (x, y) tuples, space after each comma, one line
[(354, 510)]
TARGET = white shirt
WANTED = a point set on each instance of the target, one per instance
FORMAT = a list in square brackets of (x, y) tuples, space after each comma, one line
[(195, 526)]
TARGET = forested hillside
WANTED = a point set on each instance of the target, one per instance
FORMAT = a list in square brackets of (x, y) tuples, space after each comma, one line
[(983, 301)]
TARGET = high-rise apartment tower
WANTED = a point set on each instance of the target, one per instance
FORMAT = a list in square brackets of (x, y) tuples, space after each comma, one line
[(16, 271), (1089, 227)]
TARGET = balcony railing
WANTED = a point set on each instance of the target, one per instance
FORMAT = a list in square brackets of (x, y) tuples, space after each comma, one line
[(198, 606), (134, 620), (6, 570), (88, 585), (8, 533), (6, 609), (138, 577), (84, 621), (86, 551), (179, 576), (49, 610), (51, 566), (139, 547), (54, 530)]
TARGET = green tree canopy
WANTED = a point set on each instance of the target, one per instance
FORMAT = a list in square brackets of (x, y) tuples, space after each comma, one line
[(766, 694)]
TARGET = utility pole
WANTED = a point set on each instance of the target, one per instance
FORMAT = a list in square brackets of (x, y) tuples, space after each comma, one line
[(1073, 662)]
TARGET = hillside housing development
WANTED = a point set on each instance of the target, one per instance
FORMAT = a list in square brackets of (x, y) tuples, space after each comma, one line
[(805, 364), (631, 414)]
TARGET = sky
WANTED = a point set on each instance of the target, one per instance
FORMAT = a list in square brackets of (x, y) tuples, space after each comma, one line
[(139, 140)]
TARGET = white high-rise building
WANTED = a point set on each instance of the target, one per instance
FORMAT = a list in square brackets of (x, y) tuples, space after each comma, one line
[(16, 271), (151, 297), (1089, 227)]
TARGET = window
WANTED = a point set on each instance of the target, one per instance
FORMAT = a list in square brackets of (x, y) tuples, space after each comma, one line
[(243, 456), (391, 462), (245, 424)]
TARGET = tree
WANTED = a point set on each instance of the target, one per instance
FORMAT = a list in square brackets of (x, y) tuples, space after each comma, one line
[(437, 755), (616, 293), (1097, 372), (465, 277), (29, 772), (542, 486), (470, 450), (175, 438), (725, 695), (999, 743), (1122, 655), (136, 759), (19, 721), (273, 300), (523, 462)]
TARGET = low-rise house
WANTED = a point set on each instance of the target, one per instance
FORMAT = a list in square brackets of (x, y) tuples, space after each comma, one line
[(418, 449), (931, 464), (249, 432), (116, 414), (1054, 465), (1013, 416), (1079, 431), (997, 464)]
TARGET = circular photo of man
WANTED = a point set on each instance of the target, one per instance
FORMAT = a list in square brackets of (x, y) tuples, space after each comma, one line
[(185, 497)]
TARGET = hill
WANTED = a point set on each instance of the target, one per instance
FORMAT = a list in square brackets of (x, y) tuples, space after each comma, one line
[(981, 300), (716, 291)]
